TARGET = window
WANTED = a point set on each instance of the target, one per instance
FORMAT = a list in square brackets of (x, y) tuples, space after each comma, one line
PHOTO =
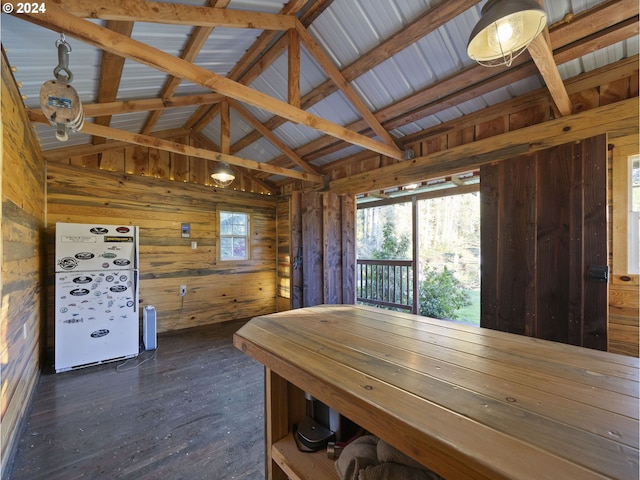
[(234, 236), (634, 214)]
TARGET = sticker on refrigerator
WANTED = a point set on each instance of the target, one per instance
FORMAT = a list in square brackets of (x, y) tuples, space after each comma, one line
[(78, 239), (118, 239), (100, 333), (123, 229), (99, 230), (121, 262), (73, 320), (84, 255), (79, 292), (68, 263), (82, 279)]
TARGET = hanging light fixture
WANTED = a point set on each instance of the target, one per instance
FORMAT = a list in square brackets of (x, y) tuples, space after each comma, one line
[(504, 30), (223, 175)]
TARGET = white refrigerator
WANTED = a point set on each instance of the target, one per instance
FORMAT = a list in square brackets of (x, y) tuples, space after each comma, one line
[(96, 294)]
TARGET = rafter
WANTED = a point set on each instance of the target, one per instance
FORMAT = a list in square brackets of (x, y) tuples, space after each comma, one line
[(269, 135), (176, 14), (180, 148), (64, 153), (336, 76), (431, 20), (196, 41), (146, 104), (264, 51), (225, 127), (58, 20), (293, 59), (542, 54), (111, 67)]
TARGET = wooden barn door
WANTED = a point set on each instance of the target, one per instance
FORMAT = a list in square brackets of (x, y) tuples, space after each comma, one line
[(544, 227), (322, 249)]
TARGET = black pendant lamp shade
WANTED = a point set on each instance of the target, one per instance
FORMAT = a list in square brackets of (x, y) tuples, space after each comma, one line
[(504, 30)]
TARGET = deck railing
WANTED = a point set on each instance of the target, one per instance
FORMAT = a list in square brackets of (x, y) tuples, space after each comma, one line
[(386, 283)]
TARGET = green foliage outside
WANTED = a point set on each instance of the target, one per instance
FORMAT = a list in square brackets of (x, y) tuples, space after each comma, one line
[(392, 247), (441, 294)]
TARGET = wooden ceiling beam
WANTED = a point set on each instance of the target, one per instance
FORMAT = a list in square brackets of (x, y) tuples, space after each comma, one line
[(611, 73), (176, 14), (343, 85), (596, 19), (431, 20), (542, 55), (196, 41), (146, 104), (261, 54), (225, 127), (111, 67), (265, 50), (269, 135), (182, 149), (65, 153), (617, 119), (58, 20), (293, 73)]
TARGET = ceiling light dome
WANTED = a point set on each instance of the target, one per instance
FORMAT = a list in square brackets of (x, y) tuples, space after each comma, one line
[(504, 31), (222, 175)]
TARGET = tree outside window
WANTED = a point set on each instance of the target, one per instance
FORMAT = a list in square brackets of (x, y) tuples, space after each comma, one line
[(234, 235)]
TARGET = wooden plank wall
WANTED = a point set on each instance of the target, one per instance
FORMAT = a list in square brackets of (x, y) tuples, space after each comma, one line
[(151, 162), (285, 256), (323, 235), (624, 289), (23, 206), (216, 291), (544, 222)]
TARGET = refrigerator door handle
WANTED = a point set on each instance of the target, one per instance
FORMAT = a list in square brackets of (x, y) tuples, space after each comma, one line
[(135, 291), (136, 246)]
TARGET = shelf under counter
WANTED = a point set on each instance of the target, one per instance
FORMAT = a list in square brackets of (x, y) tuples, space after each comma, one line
[(299, 465)]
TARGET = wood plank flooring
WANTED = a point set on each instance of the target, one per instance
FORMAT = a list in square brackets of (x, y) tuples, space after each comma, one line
[(194, 410)]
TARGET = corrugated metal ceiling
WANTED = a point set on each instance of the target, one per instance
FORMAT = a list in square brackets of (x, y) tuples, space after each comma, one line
[(346, 30)]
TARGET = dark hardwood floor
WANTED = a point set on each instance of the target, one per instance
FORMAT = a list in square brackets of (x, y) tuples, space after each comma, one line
[(194, 410)]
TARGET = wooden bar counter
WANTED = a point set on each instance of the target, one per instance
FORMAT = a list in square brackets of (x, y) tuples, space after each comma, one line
[(467, 402)]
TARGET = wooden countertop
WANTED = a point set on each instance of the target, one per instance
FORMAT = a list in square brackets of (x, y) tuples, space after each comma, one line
[(467, 402)]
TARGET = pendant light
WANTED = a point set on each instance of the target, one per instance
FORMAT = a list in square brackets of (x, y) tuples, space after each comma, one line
[(504, 30), (222, 175)]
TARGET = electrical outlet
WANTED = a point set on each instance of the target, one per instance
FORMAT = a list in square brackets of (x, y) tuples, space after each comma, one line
[(183, 290)]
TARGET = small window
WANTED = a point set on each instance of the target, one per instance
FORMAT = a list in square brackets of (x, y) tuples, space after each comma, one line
[(234, 236), (634, 214)]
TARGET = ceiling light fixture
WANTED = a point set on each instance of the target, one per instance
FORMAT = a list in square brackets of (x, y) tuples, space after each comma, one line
[(223, 175), (504, 30)]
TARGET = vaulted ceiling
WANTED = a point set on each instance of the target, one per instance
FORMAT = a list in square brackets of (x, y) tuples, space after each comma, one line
[(285, 89)]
